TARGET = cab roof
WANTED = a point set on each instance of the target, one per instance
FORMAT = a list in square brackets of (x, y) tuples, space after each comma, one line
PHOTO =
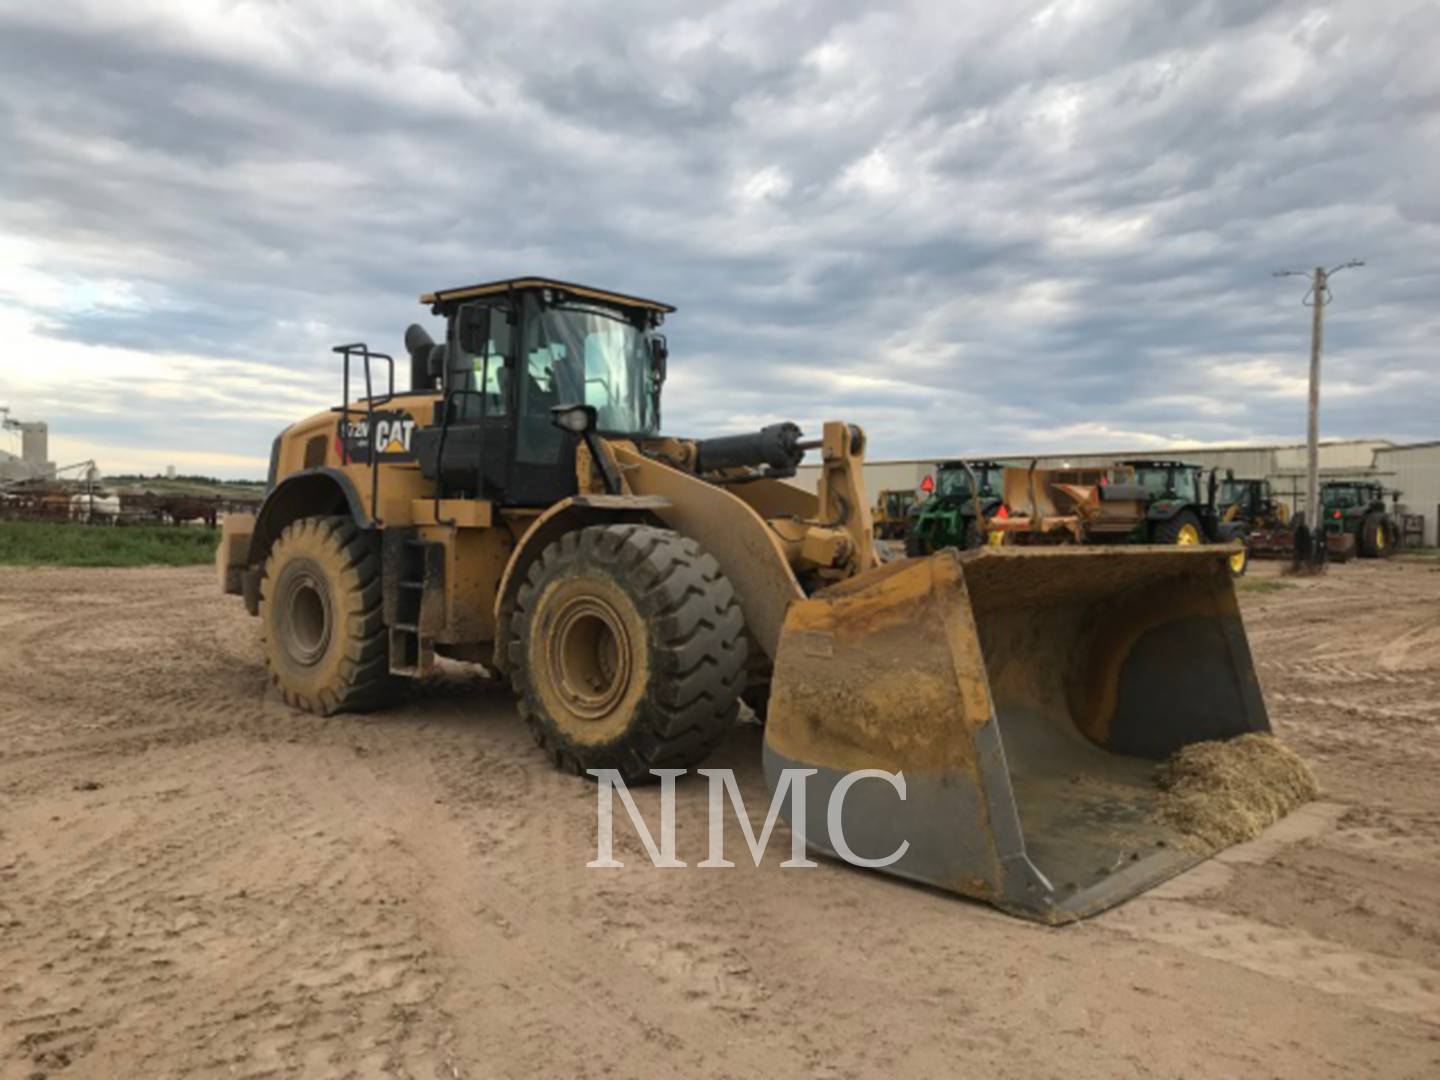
[(493, 288)]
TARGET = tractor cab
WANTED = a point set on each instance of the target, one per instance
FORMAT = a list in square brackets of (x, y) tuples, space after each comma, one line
[(1249, 501), (954, 479), (1351, 495), (1250, 496), (1168, 481), (530, 366)]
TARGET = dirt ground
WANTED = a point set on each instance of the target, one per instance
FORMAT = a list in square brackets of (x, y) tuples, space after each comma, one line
[(196, 882)]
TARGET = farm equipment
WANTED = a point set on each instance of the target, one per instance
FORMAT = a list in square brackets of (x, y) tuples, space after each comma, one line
[(1068, 506), (519, 508), (893, 513), (1135, 502), (1176, 512), (1269, 531), (1356, 509), (966, 494)]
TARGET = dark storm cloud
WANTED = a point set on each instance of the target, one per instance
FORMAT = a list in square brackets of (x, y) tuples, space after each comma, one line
[(999, 228)]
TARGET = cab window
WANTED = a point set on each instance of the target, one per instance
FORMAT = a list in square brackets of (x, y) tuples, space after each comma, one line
[(483, 371), (1156, 482)]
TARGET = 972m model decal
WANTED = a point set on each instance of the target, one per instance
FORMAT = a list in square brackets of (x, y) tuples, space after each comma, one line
[(393, 430)]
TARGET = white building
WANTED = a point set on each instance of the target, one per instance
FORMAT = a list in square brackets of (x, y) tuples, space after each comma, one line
[(1415, 470)]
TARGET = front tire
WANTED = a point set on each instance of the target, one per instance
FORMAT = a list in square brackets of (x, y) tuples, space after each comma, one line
[(1240, 561), (321, 622), (627, 651)]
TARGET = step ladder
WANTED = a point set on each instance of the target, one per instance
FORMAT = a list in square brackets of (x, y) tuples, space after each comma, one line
[(415, 611)]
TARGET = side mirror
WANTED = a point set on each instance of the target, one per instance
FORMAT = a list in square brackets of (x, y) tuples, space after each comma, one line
[(659, 355), (1229, 474), (473, 328), (576, 419)]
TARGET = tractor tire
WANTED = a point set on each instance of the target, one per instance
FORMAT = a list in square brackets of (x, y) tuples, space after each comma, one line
[(322, 626), (1377, 537), (1240, 561), (968, 532), (627, 651), (915, 547), (1184, 528)]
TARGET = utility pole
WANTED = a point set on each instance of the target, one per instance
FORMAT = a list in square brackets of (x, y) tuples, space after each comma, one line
[(1315, 299)]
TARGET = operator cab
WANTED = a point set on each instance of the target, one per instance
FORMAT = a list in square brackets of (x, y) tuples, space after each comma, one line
[(528, 366), (1350, 494), (1252, 496), (1168, 480), (953, 478)]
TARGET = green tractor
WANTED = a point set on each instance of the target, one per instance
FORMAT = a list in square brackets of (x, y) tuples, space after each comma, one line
[(1177, 511), (1357, 508), (947, 519)]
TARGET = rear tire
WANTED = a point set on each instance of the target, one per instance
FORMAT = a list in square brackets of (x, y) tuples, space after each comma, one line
[(1377, 538), (321, 621), (627, 651), (914, 547), (1184, 529)]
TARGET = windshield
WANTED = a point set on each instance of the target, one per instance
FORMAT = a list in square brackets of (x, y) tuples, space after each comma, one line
[(897, 502), (956, 481), (1340, 496), (1230, 491), (593, 354), (1162, 481)]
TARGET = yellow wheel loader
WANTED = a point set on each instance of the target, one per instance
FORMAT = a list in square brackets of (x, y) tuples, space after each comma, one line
[(518, 507)]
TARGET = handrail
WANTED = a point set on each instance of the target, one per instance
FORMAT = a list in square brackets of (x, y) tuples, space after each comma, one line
[(370, 402), (451, 395)]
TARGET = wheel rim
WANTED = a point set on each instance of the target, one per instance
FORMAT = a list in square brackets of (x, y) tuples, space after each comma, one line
[(1188, 535), (589, 656), (1237, 562), (307, 618)]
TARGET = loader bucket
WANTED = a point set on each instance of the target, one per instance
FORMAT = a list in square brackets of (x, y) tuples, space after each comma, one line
[(1026, 694)]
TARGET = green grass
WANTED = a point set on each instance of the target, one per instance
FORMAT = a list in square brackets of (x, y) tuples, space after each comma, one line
[(1262, 585), (35, 543)]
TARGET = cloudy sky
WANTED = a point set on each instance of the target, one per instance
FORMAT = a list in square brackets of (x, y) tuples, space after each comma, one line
[(969, 227)]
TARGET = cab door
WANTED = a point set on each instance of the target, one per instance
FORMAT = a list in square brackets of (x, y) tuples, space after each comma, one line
[(475, 419), (542, 470)]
